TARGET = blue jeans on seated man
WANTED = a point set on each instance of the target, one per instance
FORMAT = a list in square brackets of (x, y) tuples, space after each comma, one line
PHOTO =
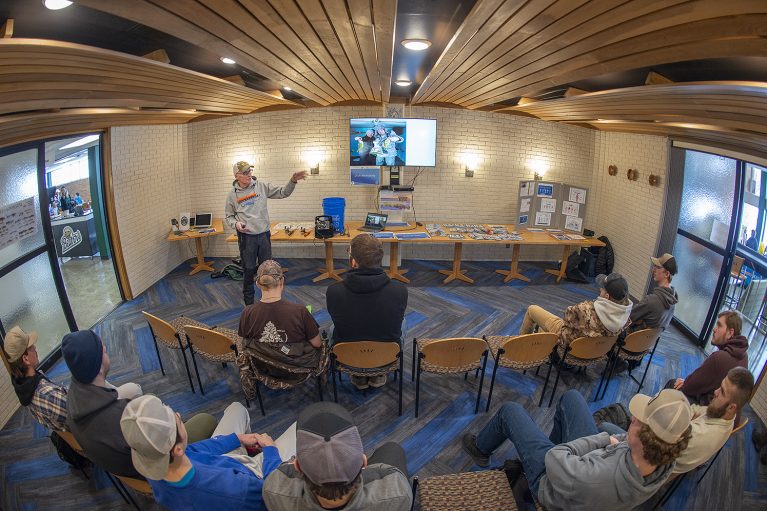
[(572, 420)]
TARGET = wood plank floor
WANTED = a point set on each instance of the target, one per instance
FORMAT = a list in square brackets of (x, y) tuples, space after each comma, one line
[(34, 479)]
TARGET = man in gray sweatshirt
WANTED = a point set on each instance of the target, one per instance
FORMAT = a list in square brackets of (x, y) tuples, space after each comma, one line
[(656, 309), (578, 468), (246, 213)]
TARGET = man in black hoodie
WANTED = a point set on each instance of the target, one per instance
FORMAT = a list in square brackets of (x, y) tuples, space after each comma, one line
[(367, 305), (95, 407)]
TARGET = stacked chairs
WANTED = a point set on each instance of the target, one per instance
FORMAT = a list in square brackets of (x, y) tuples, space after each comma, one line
[(633, 347), (521, 352), (366, 359), (449, 356)]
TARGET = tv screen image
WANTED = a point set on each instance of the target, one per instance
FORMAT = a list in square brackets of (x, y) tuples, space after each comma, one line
[(392, 142)]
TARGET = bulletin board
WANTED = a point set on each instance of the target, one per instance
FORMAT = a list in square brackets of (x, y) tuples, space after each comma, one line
[(549, 205)]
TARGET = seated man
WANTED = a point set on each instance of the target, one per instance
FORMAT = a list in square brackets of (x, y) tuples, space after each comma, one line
[(367, 305), (732, 352), (656, 309), (711, 425), (578, 468), (210, 474), (46, 401), (276, 330), (94, 406), (607, 315), (331, 470)]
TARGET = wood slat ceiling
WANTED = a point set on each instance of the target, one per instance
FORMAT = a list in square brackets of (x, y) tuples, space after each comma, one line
[(98, 85), (326, 50), (726, 113), (509, 48)]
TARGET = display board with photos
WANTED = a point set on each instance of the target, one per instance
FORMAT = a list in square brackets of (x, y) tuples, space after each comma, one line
[(548, 205)]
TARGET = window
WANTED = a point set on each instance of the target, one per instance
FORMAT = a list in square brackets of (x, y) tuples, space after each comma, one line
[(70, 170), (753, 233)]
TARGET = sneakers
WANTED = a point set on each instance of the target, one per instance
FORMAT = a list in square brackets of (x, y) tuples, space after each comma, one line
[(469, 444), (361, 382), (377, 381)]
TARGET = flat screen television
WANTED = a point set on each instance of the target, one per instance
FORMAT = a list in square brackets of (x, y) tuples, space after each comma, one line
[(392, 142)]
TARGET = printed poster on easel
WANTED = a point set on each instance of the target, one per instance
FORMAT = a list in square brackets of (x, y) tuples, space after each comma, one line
[(551, 205)]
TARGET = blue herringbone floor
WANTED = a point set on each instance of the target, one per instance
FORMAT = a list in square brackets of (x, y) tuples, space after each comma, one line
[(34, 479)]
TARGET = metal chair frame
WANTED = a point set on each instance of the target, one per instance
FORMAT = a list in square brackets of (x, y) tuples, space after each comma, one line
[(421, 356), (613, 360), (180, 345), (561, 364)]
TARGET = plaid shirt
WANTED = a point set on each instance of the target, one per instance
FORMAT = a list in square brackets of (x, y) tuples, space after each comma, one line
[(49, 405)]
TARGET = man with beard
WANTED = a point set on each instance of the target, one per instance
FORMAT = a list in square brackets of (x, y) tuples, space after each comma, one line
[(712, 424)]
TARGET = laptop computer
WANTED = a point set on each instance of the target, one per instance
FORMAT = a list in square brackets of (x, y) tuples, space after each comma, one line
[(374, 222), (203, 220)]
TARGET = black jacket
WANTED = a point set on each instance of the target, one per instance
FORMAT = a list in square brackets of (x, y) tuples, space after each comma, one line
[(367, 306), (94, 419)]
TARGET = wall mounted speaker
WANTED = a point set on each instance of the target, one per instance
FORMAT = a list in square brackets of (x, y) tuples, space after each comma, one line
[(183, 221)]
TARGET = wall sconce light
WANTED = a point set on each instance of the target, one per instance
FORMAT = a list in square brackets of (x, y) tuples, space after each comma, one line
[(471, 162), (653, 180), (469, 172), (538, 166), (313, 159), (632, 174), (612, 170)]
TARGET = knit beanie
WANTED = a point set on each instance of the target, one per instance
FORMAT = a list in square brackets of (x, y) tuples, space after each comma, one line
[(83, 353)]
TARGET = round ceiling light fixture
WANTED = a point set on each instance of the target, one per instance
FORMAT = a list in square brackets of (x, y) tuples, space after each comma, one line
[(55, 5), (285, 87), (416, 44), (402, 83), (227, 60)]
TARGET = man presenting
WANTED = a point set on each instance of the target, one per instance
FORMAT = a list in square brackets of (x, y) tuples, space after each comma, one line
[(246, 213)]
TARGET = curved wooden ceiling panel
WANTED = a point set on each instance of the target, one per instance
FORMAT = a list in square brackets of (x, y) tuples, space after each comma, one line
[(507, 48), (326, 50), (721, 112)]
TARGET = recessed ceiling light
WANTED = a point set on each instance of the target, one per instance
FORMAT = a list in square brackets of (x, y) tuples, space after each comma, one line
[(403, 83), (227, 60), (285, 87), (416, 44), (55, 5)]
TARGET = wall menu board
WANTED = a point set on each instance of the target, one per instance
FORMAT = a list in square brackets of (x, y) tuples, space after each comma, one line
[(549, 205)]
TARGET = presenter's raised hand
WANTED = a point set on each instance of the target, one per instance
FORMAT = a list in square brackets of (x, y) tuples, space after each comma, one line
[(298, 176)]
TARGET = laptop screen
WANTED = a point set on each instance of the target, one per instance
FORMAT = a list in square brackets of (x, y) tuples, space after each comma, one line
[(376, 220), (203, 220)]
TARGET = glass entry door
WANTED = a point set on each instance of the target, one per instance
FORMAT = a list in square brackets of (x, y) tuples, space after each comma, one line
[(705, 238)]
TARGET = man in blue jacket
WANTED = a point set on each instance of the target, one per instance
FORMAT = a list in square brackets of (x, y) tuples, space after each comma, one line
[(211, 474)]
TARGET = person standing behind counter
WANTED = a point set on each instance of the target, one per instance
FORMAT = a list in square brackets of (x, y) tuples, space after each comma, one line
[(246, 212)]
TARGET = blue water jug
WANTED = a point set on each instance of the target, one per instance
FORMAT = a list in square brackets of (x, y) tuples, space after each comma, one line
[(334, 207)]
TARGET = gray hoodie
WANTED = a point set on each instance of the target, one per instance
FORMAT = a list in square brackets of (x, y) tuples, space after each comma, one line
[(655, 310), (590, 474), (613, 315), (248, 204)]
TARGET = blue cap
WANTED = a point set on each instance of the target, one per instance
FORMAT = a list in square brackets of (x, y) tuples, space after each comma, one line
[(83, 353)]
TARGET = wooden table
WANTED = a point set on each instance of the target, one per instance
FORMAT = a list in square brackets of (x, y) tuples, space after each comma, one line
[(455, 273), (201, 264)]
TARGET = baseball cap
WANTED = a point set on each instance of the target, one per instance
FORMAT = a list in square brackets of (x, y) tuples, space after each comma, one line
[(242, 166), (668, 414), (150, 429), (615, 285), (17, 341), (328, 444), (269, 267), (667, 261)]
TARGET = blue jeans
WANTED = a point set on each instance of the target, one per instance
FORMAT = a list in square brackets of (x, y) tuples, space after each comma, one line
[(572, 420), (611, 429)]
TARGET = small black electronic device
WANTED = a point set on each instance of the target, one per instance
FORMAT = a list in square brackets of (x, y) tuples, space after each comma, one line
[(394, 176), (588, 233), (192, 221), (323, 226), (375, 222)]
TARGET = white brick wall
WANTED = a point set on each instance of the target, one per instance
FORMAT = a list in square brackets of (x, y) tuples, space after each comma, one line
[(151, 186), (277, 141), (629, 212)]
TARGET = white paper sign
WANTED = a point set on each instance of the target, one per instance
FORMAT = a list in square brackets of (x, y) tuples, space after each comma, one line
[(542, 218), (573, 223), (524, 206), (570, 208), (526, 189), (548, 205), (578, 195), (17, 221)]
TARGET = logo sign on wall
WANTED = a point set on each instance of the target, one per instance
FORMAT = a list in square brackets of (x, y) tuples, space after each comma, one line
[(70, 239)]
